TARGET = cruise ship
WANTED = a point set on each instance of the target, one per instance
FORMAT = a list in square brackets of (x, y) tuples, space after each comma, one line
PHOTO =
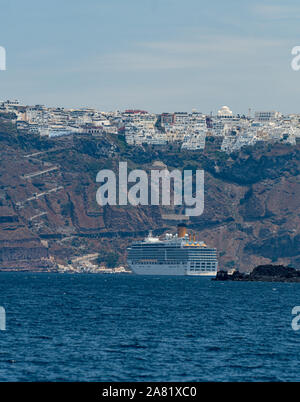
[(179, 254)]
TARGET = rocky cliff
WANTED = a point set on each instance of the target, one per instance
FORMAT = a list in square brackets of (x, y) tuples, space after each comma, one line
[(48, 210)]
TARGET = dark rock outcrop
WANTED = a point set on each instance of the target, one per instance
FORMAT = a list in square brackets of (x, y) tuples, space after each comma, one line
[(262, 273)]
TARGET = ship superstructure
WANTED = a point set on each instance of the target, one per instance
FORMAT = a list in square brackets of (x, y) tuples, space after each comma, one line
[(179, 254)]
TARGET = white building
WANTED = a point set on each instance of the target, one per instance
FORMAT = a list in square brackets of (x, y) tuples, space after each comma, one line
[(225, 113)]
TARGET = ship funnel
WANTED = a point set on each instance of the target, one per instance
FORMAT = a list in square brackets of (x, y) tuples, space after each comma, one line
[(181, 230)]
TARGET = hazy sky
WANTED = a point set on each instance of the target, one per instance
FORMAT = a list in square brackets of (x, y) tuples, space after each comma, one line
[(158, 55)]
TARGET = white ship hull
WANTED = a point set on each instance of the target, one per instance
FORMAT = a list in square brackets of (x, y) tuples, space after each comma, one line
[(175, 256), (165, 269)]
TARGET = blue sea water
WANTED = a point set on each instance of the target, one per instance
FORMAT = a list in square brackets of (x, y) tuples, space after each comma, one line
[(63, 327)]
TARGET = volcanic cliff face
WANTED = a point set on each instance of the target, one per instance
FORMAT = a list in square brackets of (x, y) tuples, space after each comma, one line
[(48, 209)]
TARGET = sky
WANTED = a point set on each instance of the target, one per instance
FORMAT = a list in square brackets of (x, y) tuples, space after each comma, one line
[(156, 55)]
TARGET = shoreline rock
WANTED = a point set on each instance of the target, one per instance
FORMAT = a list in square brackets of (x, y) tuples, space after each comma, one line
[(262, 273)]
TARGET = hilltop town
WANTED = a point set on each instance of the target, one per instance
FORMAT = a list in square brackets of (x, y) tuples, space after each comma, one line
[(190, 130)]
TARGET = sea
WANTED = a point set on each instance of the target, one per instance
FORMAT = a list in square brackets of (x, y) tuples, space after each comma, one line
[(91, 327)]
